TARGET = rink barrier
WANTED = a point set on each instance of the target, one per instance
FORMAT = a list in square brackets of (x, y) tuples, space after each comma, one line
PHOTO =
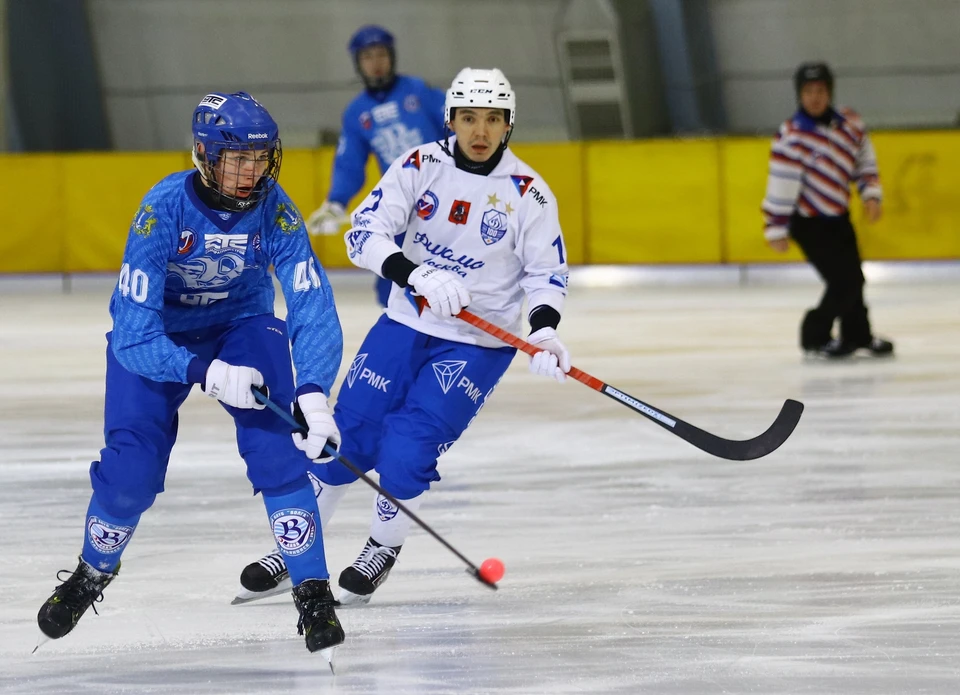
[(676, 201)]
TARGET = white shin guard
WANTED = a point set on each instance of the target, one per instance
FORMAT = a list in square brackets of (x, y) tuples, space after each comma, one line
[(390, 526), (328, 497)]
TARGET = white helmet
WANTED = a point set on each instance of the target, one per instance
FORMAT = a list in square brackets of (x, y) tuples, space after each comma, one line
[(483, 89)]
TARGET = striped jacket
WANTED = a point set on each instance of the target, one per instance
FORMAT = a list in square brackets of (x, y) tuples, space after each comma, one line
[(812, 166)]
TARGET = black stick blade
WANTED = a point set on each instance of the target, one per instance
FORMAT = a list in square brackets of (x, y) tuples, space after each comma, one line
[(730, 449), (475, 573), (747, 449)]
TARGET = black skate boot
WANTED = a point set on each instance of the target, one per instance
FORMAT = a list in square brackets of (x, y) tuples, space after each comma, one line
[(879, 347), (875, 347), (369, 570), (78, 592), (318, 621), (267, 576), (837, 349)]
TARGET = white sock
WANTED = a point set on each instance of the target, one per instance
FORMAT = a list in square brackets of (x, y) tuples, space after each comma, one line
[(390, 526), (328, 497)]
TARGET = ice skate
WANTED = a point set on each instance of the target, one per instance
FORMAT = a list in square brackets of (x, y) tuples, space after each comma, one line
[(78, 592), (318, 620), (878, 347), (369, 570), (839, 349), (266, 577)]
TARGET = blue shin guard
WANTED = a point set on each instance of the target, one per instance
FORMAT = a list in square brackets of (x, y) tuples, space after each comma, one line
[(294, 518), (105, 537)]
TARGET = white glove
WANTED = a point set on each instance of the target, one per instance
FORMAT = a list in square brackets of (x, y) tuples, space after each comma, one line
[(442, 289), (232, 385), (327, 219), (317, 416), (554, 360)]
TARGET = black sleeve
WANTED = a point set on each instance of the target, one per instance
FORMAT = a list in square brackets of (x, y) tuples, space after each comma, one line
[(543, 316), (397, 268)]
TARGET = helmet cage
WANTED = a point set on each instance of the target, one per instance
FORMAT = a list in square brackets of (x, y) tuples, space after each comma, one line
[(215, 136), (213, 165)]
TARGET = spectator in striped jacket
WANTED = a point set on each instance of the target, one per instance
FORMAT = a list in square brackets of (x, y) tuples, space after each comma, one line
[(815, 157)]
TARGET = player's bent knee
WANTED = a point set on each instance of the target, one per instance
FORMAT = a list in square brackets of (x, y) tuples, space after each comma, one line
[(128, 487), (124, 502), (286, 488), (335, 473), (405, 479)]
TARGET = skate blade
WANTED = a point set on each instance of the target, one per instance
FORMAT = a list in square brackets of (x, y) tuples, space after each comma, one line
[(41, 640), (329, 653), (348, 598), (244, 596)]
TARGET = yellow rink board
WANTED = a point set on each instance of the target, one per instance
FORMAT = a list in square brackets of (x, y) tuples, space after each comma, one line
[(920, 174), (34, 233), (657, 201), (652, 202)]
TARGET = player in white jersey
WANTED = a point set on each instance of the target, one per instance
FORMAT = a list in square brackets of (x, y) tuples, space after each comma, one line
[(482, 231)]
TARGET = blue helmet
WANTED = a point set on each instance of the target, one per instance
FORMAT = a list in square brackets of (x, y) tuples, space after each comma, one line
[(235, 122), (370, 35), (365, 37)]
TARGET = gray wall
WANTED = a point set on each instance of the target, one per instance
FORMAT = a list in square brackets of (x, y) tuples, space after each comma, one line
[(897, 61), (158, 57)]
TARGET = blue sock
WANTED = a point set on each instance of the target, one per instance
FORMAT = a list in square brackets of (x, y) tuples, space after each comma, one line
[(105, 537), (294, 517)]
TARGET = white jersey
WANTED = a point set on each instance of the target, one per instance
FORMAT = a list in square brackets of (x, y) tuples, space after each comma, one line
[(500, 233)]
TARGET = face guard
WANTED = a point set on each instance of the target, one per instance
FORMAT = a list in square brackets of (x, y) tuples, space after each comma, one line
[(236, 149)]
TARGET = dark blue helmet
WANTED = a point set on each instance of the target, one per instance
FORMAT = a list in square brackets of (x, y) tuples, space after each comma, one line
[(236, 122), (370, 35), (365, 37)]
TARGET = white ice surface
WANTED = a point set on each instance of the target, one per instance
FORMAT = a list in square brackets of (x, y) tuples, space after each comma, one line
[(635, 563)]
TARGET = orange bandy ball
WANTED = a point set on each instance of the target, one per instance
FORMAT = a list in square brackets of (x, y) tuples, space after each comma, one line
[(492, 570)]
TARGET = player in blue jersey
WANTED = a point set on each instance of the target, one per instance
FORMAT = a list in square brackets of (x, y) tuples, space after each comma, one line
[(394, 113), (194, 305)]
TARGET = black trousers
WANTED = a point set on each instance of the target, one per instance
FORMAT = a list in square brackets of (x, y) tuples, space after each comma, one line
[(830, 244)]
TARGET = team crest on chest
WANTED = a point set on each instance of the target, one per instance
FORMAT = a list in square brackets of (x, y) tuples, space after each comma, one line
[(493, 225)]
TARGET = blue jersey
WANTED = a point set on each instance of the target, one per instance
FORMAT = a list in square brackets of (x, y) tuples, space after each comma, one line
[(187, 267), (410, 114)]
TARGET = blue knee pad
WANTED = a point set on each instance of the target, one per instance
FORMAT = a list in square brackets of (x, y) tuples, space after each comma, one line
[(412, 442), (129, 476)]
